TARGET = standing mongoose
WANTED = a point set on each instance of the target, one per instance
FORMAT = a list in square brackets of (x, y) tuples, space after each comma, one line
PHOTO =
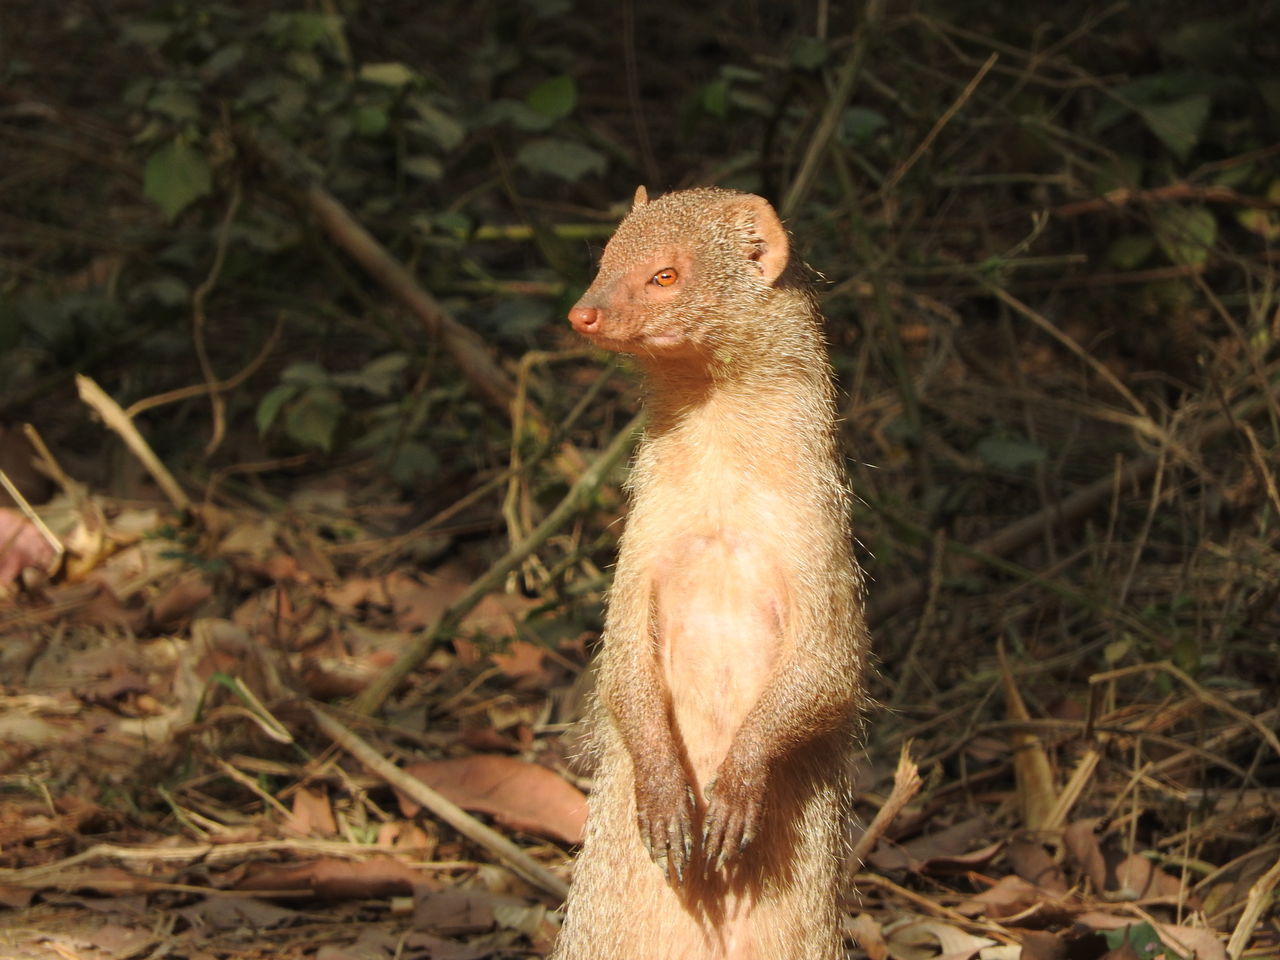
[(734, 643)]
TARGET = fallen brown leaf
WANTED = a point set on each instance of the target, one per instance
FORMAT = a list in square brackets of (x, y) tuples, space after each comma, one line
[(453, 912), (523, 661), (1081, 840), (520, 795), (1032, 862), (946, 844), (1010, 896), (378, 877), (916, 939), (312, 814), (1137, 878)]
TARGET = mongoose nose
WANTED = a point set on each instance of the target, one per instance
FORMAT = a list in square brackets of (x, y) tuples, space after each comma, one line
[(585, 319)]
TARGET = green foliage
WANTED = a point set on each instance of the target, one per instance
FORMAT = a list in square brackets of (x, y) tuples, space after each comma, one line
[(410, 144), (1174, 106), (1142, 939), (554, 98), (810, 53), (309, 401), (1186, 234), (1130, 250), (1007, 451), (393, 75), (565, 159), (176, 176), (858, 125)]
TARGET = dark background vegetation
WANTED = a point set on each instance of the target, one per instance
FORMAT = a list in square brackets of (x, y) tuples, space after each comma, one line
[(1046, 240)]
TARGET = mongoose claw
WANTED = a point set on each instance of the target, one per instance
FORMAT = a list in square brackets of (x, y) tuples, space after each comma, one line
[(734, 804), (665, 815)]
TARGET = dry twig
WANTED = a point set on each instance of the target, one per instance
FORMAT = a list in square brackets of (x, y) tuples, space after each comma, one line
[(519, 861)]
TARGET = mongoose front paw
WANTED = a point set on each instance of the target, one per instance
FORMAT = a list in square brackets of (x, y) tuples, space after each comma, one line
[(665, 812), (735, 800)]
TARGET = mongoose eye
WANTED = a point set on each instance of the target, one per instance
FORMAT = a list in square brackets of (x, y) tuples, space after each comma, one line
[(665, 277)]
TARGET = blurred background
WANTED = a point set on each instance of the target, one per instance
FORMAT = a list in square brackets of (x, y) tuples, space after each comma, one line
[(321, 254)]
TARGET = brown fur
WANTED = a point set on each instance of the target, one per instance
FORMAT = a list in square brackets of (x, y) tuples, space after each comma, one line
[(730, 678)]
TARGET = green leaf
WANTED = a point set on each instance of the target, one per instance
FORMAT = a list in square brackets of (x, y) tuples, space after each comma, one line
[(312, 419), (1178, 124), (221, 61), (1142, 939), (860, 124), (175, 104), (1150, 90), (515, 112), (745, 74), (413, 462), (423, 167), (379, 376), (453, 222), (166, 290), (137, 91), (1266, 223), (305, 372), (1007, 452), (752, 100), (554, 98), (176, 176), (565, 159), (285, 97), (438, 125), (1261, 222), (392, 74), (369, 121), (269, 406), (306, 31), (1185, 234), (1208, 42), (1129, 251), (715, 98), (305, 64), (1122, 171), (146, 33), (518, 318), (810, 53), (385, 372)]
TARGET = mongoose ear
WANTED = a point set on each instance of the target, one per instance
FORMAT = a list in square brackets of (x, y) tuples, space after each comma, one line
[(641, 197), (767, 242)]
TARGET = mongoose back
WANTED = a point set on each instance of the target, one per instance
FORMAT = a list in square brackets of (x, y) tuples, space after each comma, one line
[(730, 675)]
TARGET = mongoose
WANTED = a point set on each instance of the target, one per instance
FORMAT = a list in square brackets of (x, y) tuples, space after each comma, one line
[(730, 674)]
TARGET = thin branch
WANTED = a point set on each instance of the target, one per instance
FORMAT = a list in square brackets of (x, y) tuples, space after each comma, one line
[(897, 175), (1173, 193), (217, 401), (119, 421), (221, 386), (471, 828), (1201, 694)]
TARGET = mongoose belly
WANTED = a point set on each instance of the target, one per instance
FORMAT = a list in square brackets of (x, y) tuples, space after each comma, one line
[(719, 630)]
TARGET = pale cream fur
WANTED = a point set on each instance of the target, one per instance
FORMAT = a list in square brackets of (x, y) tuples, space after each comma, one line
[(736, 575)]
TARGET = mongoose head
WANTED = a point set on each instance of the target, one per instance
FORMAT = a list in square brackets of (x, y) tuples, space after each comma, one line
[(684, 276)]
